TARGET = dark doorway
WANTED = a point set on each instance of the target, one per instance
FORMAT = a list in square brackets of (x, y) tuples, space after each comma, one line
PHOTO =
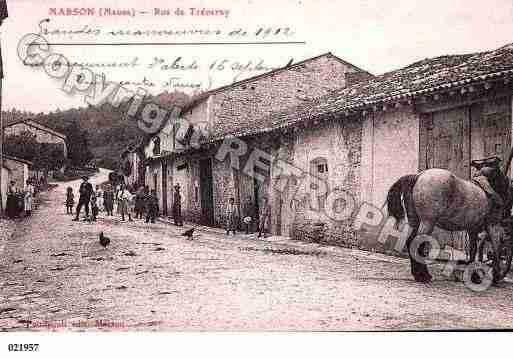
[(164, 188), (207, 193)]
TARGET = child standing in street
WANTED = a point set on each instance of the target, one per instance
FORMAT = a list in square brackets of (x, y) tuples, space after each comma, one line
[(231, 217), (125, 198), (70, 200)]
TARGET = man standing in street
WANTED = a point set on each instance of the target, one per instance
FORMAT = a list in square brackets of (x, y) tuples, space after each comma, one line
[(85, 191), (232, 217), (264, 218)]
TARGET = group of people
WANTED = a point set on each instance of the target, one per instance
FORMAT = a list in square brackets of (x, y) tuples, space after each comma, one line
[(144, 204), (250, 217), (19, 200), (95, 200)]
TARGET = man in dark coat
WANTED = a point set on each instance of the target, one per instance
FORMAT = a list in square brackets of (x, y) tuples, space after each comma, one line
[(85, 191), (177, 206)]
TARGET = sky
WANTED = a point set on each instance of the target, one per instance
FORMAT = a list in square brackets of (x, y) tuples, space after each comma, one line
[(376, 35)]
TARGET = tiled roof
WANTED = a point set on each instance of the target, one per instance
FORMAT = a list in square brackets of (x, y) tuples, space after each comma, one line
[(422, 77)]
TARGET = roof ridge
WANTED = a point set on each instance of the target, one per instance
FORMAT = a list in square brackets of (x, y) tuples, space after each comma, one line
[(206, 94)]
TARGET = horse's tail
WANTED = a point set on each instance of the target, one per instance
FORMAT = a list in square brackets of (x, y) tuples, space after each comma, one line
[(401, 189)]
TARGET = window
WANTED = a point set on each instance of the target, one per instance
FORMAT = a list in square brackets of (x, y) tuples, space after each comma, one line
[(156, 146), (322, 168)]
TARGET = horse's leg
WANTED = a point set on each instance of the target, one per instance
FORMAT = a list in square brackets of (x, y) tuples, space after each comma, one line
[(425, 229), (412, 233), (496, 233), (472, 243)]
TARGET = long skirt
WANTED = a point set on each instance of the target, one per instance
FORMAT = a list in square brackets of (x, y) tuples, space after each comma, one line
[(109, 205)]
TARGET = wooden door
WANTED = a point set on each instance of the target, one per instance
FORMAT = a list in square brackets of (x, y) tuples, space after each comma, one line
[(207, 193), (447, 142), (164, 188), (496, 132)]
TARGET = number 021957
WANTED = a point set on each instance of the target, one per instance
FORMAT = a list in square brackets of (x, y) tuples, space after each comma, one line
[(23, 347)]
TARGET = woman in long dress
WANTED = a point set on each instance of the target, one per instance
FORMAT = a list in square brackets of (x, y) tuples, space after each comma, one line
[(29, 196), (11, 207)]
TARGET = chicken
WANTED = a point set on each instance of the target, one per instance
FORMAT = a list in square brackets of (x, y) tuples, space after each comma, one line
[(188, 233), (104, 241)]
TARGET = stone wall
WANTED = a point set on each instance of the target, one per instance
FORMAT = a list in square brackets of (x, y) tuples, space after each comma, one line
[(338, 145), (224, 188)]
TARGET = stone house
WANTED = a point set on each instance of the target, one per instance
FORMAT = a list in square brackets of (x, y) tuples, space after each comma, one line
[(206, 184), (43, 133), (358, 140)]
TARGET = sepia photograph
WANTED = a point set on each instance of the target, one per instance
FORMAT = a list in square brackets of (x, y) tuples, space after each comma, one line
[(255, 167)]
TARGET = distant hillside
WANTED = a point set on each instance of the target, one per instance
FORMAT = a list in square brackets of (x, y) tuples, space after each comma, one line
[(106, 129)]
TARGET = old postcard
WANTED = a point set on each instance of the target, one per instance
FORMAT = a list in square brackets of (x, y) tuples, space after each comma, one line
[(286, 165)]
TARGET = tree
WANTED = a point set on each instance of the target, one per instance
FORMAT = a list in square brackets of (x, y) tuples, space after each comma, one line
[(79, 153), (44, 156), (50, 157)]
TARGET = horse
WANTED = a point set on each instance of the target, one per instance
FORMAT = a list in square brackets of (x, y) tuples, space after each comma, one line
[(436, 197)]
